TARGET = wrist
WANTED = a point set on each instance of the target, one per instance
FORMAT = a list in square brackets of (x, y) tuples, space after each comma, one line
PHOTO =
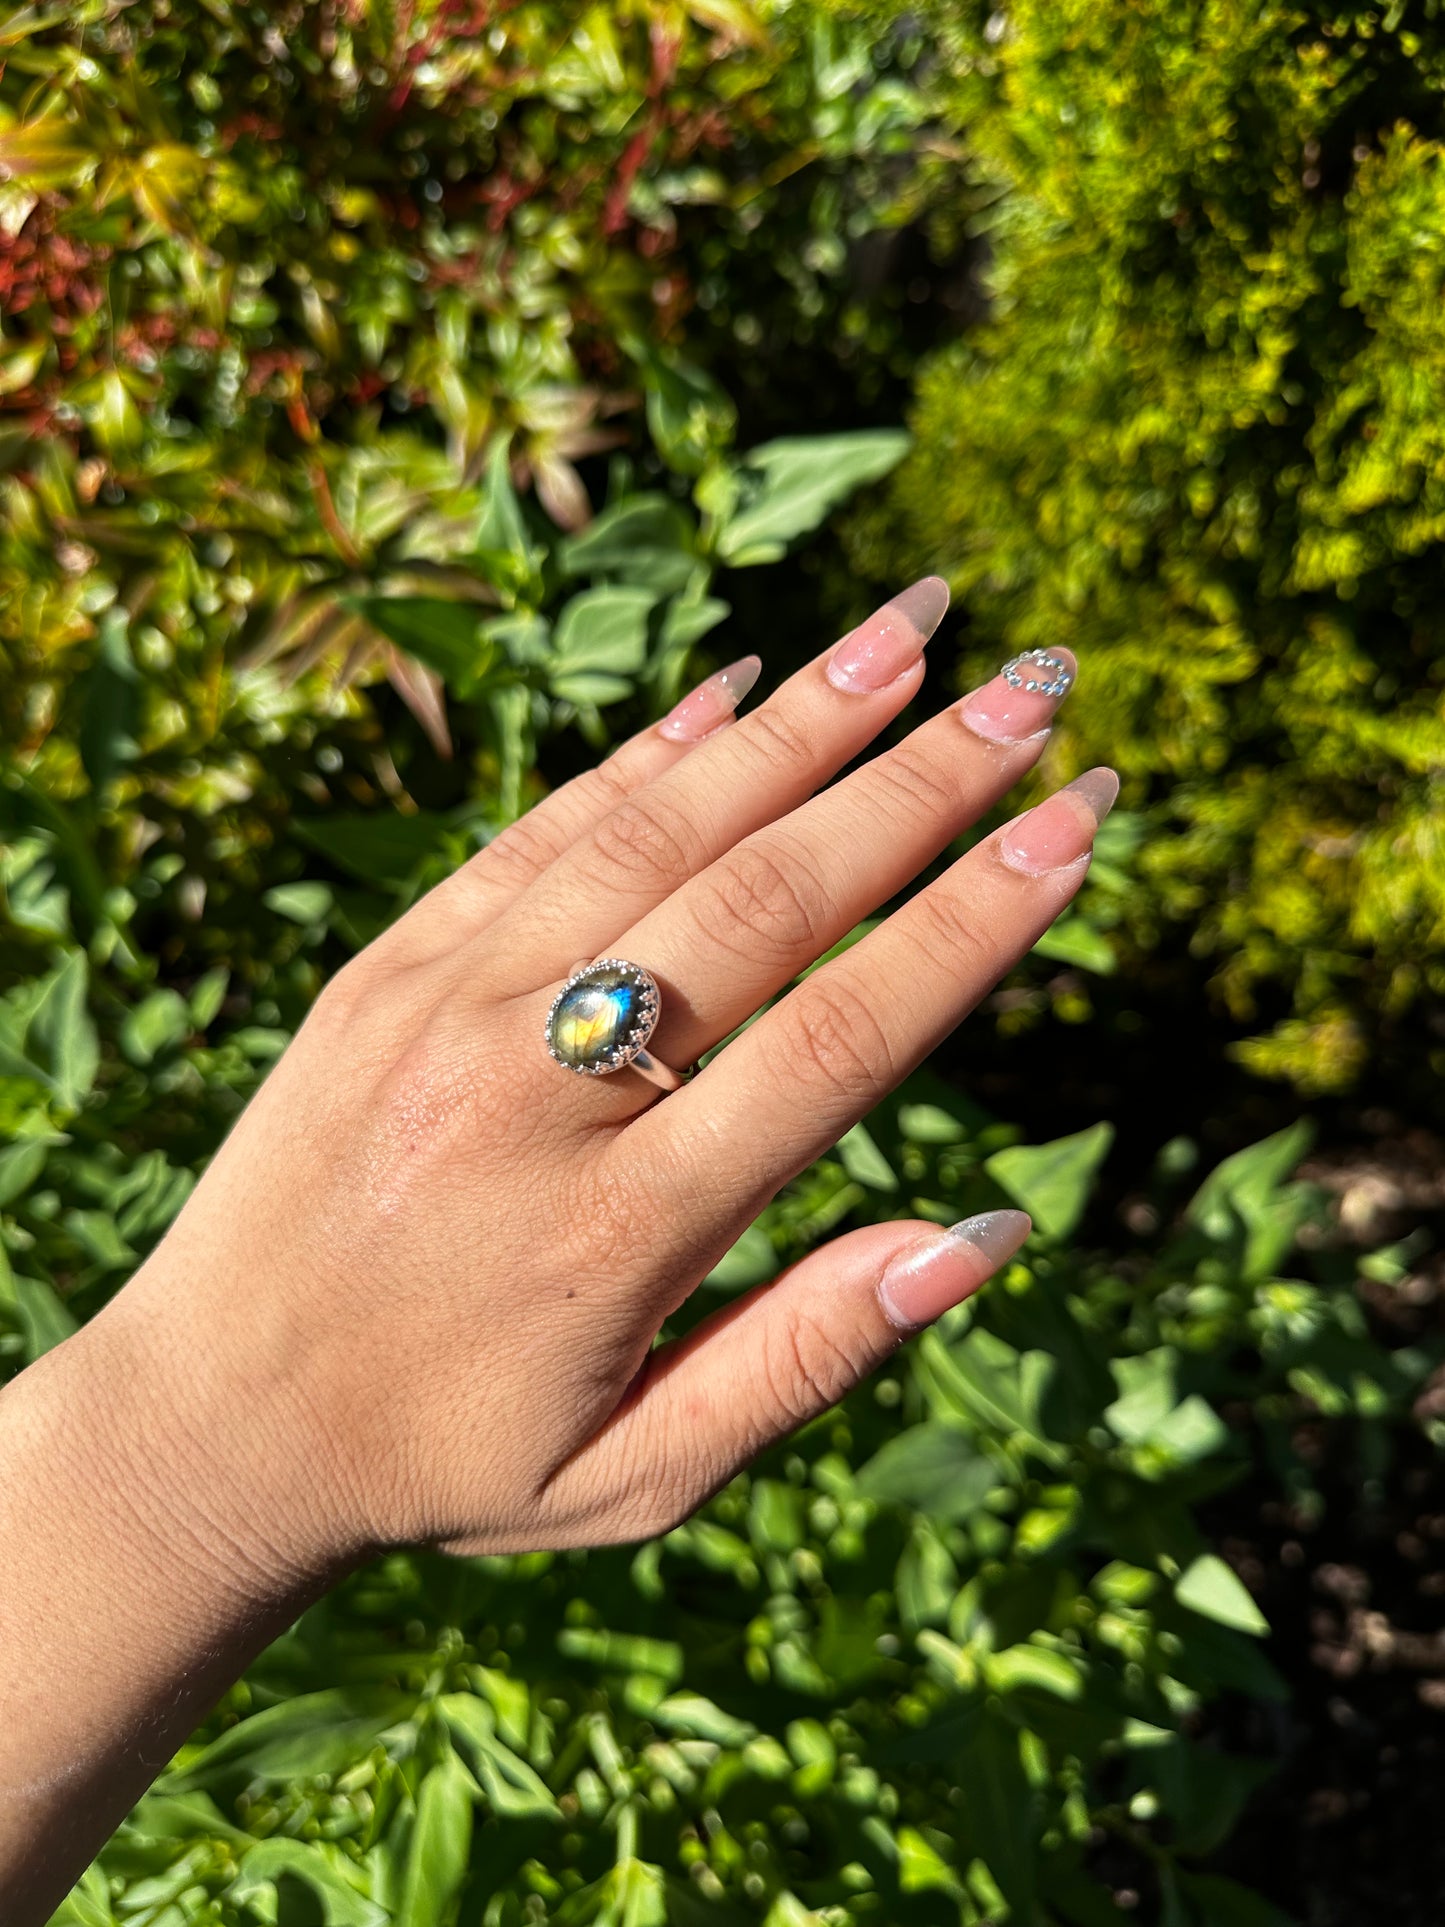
[(207, 1446)]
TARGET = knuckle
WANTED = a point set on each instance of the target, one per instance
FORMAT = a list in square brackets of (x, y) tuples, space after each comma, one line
[(523, 850), (950, 929), (648, 841), (808, 1368), (783, 743), (836, 1042), (916, 785), (758, 899)]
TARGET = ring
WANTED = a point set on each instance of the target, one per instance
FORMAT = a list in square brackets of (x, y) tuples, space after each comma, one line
[(1013, 674), (601, 1019)]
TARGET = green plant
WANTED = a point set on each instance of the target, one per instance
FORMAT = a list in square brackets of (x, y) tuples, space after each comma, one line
[(907, 1669), (1197, 438)]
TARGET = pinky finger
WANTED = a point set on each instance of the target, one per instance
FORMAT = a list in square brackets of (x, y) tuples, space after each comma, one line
[(708, 1403)]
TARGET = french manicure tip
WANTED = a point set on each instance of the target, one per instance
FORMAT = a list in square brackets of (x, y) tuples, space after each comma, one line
[(1099, 789), (923, 603), (997, 1234)]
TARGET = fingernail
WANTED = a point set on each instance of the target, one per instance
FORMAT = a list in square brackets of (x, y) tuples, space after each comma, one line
[(711, 703), (1061, 829), (1006, 710), (880, 649), (921, 1285)]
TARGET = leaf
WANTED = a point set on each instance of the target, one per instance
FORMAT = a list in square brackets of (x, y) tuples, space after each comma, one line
[(303, 903), (1052, 1181), (317, 1865), (749, 1262), (322, 1732), (441, 1838), (1215, 1590), (379, 846), (513, 1788), (643, 539), (934, 1468), (505, 552), (46, 1032), (1073, 940), (157, 1024), (690, 418), (446, 636), (789, 487), (112, 704), (864, 1162), (603, 629), (42, 1315)]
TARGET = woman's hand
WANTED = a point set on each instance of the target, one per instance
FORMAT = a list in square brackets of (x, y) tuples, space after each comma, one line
[(415, 1297)]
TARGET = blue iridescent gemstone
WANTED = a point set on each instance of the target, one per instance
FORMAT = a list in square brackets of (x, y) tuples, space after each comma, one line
[(600, 1014)]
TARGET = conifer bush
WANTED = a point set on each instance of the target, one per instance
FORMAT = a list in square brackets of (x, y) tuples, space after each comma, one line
[(1198, 437)]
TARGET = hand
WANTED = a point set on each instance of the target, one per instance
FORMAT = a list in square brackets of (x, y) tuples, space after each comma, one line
[(415, 1297), (438, 1262)]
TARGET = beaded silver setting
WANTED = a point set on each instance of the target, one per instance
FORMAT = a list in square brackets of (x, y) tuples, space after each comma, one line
[(632, 1039), (1015, 673)]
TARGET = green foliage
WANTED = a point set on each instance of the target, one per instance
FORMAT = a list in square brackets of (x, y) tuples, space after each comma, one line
[(1198, 438), (905, 1669)]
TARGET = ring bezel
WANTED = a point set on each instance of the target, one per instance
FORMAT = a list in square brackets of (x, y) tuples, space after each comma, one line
[(634, 1039)]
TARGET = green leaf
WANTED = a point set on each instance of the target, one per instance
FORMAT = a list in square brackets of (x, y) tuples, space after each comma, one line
[(788, 487), (380, 846), (41, 1314), (512, 1787), (208, 993), (749, 1262), (446, 636), (158, 1023), (1212, 1588), (441, 1838), (689, 417), (603, 629), (864, 1162), (1073, 940), (303, 903), (322, 1732), (933, 1467), (46, 1032), (1052, 1181), (332, 1879), (111, 715), (505, 551), (642, 539)]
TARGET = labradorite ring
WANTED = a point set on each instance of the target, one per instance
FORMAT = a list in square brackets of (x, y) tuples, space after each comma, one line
[(601, 1019)]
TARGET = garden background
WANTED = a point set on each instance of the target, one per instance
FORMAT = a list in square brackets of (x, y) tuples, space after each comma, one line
[(400, 400)]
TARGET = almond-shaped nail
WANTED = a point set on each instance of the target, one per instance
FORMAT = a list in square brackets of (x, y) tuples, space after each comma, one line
[(878, 651), (1022, 698), (922, 1284), (711, 703), (1061, 829)]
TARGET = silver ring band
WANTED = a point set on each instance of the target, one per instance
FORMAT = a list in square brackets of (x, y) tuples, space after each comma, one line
[(601, 1019)]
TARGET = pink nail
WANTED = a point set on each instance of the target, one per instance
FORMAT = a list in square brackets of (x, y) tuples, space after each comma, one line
[(921, 1285), (878, 651), (1002, 712), (711, 703), (1061, 829)]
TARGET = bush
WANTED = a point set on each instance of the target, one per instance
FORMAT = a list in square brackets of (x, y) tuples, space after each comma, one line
[(906, 1670), (317, 327), (1198, 437)]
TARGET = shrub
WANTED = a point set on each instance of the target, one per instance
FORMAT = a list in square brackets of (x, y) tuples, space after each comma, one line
[(1198, 438), (916, 1666)]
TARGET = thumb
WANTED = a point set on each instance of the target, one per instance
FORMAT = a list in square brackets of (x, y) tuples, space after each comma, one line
[(706, 1404)]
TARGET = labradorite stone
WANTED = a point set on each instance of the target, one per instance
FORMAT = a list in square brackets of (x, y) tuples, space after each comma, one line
[(594, 1016)]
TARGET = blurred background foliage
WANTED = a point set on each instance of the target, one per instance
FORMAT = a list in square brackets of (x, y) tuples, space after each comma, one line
[(399, 403)]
